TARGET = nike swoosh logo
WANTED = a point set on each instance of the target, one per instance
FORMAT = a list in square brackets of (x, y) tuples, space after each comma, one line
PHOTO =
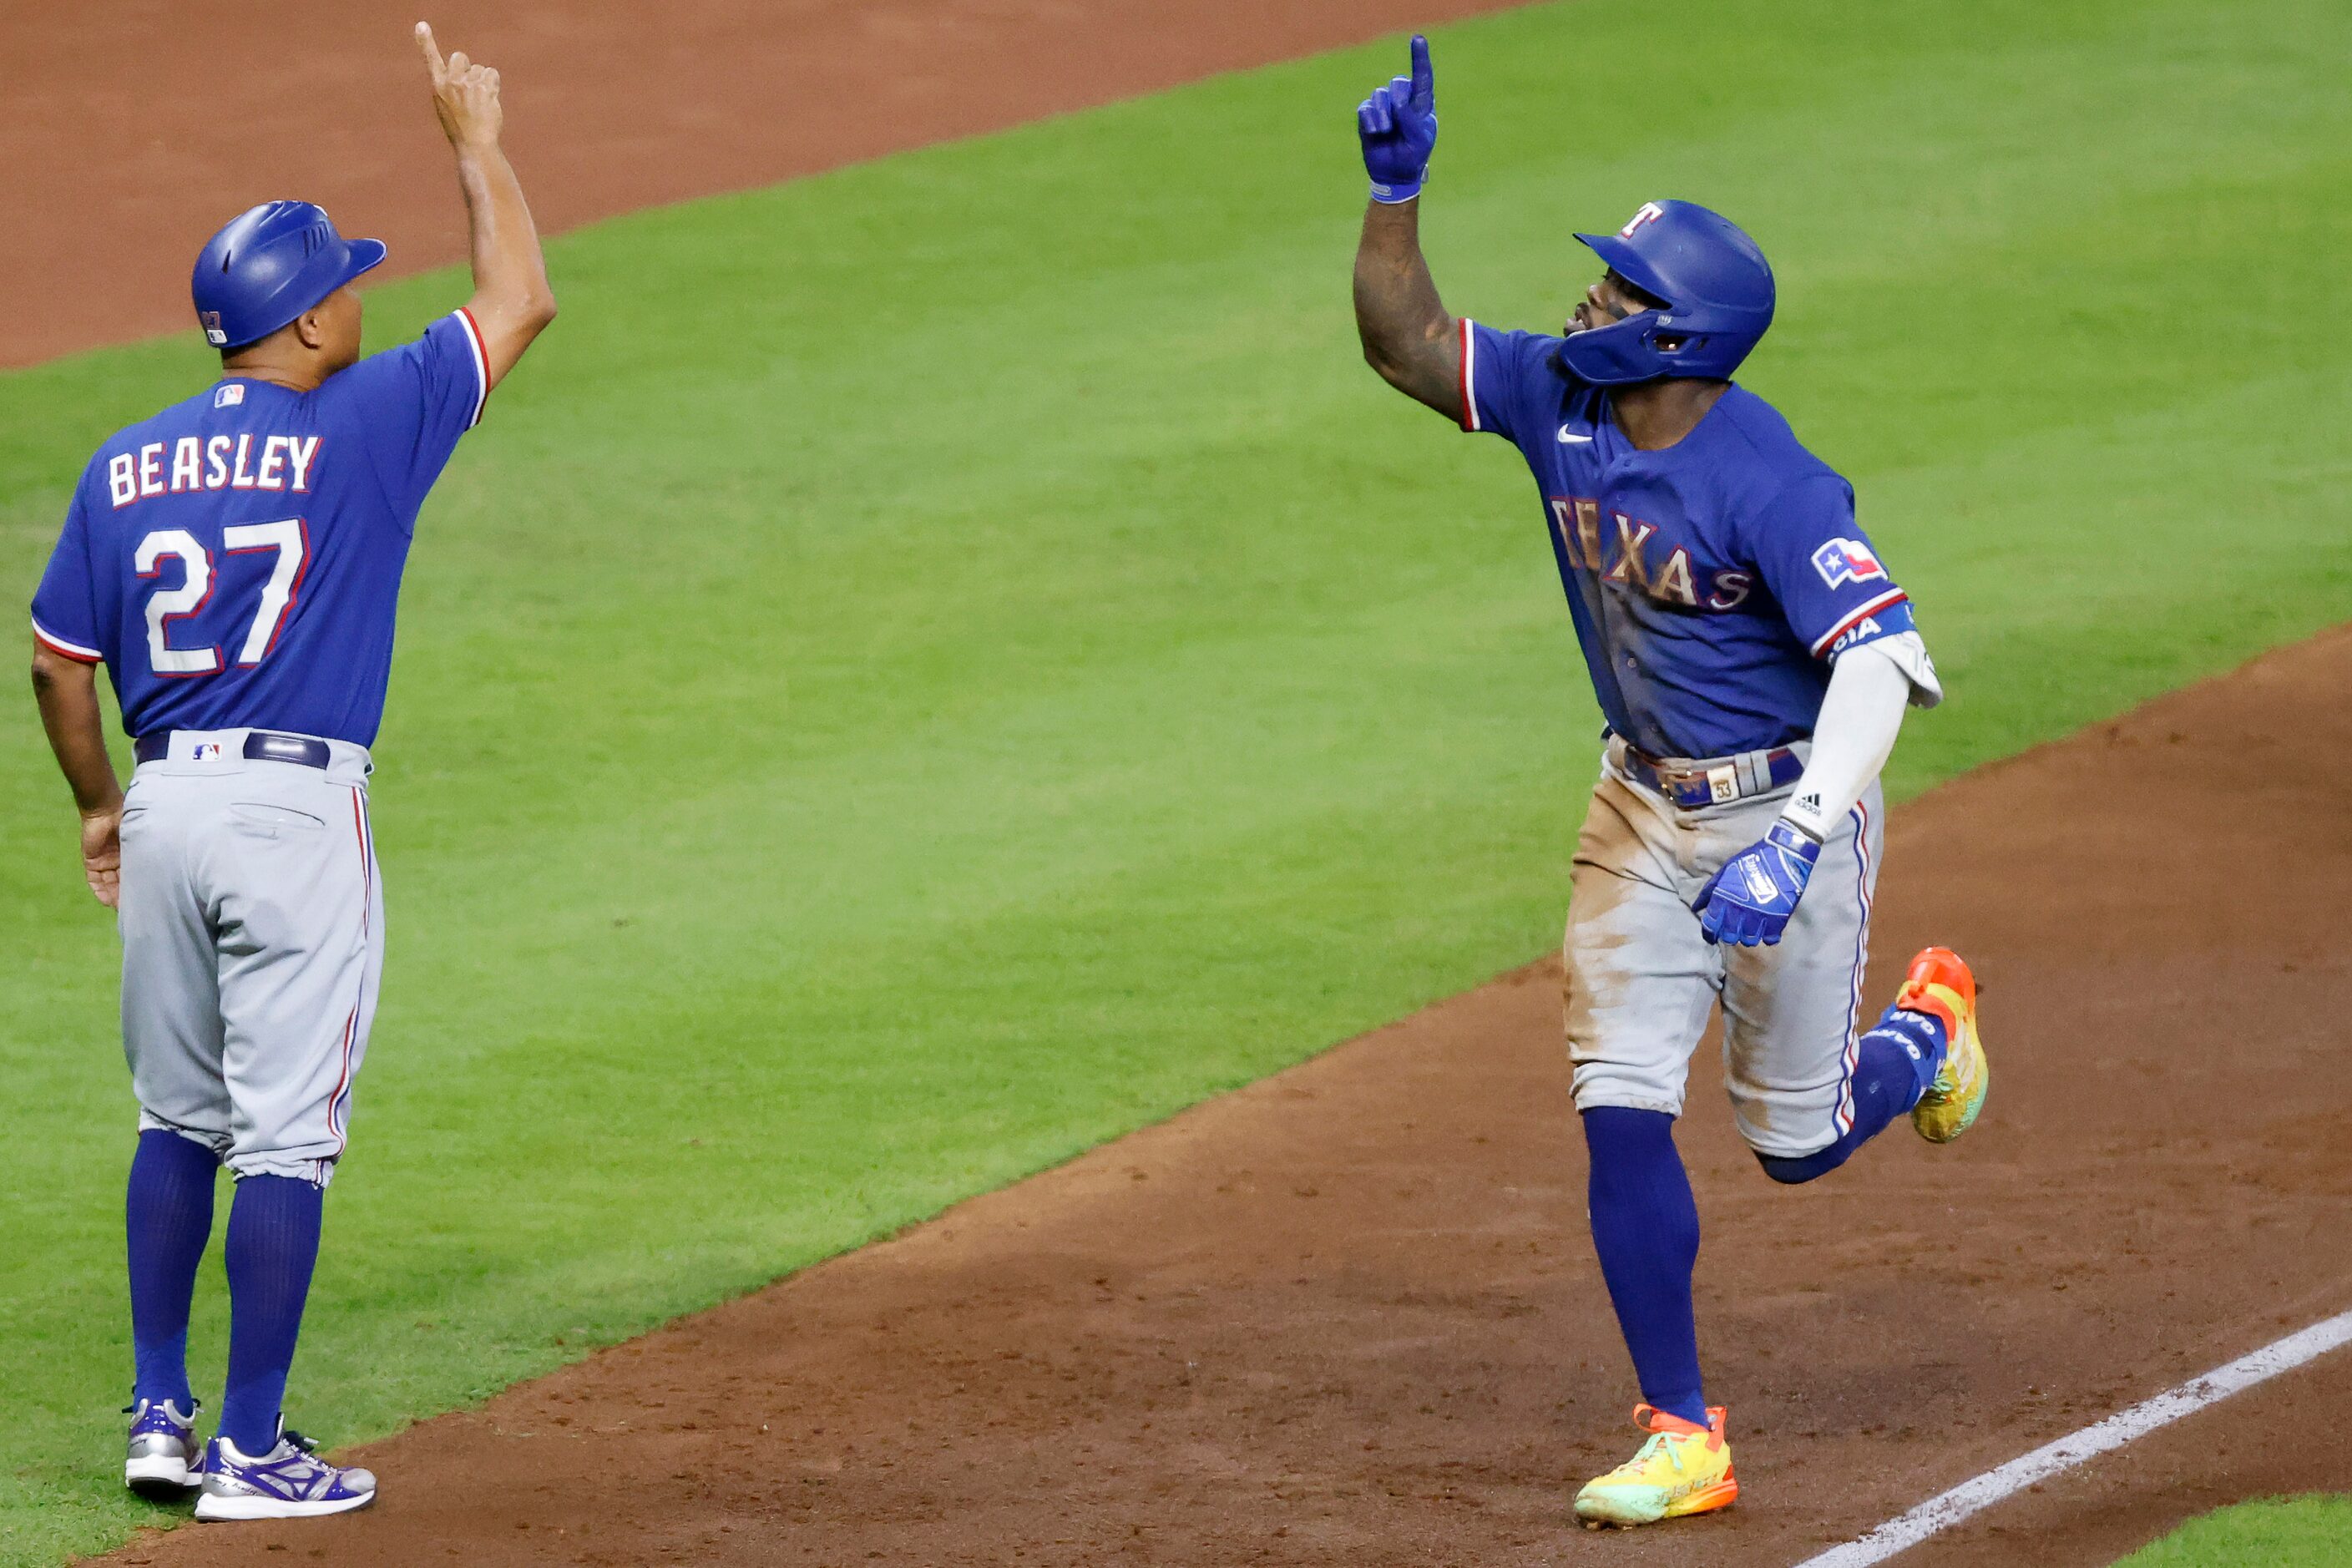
[(1569, 438)]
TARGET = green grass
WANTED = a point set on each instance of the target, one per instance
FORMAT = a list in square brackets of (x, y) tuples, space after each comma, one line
[(2277, 1532), (931, 667)]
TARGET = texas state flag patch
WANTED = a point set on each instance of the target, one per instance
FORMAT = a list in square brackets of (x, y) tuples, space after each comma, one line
[(1844, 560)]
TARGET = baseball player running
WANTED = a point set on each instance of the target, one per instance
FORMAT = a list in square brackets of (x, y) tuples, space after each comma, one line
[(1753, 660), (234, 561)]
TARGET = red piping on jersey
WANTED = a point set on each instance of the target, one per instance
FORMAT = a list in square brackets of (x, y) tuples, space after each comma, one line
[(480, 345), (1892, 596), (1469, 386), (66, 649)]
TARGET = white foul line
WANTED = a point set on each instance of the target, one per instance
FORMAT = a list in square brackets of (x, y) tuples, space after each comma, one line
[(1947, 1508)]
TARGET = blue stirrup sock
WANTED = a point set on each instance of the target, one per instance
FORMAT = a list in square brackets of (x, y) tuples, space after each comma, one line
[(273, 1244), (1645, 1228), (167, 1219), (1895, 1062)]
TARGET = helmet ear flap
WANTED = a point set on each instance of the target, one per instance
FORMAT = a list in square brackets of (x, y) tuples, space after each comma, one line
[(1618, 355), (1720, 285)]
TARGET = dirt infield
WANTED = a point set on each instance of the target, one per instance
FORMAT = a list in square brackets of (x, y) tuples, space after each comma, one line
[(136, 130), (1350, 1315)]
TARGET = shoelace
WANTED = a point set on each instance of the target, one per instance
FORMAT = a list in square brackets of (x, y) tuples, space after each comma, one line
[(1674, 1452), (305, 1449), (302, 1462)]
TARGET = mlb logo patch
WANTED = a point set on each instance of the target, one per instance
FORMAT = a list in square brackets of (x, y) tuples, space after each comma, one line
[(208, 751), (230, 394), (210, 322), (1844, 560)]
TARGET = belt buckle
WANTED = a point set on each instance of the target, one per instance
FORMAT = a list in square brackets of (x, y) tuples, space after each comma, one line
[(1671, 784), (1723, 784)]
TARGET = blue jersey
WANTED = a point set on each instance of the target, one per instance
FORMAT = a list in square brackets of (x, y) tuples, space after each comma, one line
[(236, 560), (1711, 582)]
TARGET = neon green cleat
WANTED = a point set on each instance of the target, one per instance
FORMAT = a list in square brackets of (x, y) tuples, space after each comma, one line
[(1938, 984), (1682, 1470)]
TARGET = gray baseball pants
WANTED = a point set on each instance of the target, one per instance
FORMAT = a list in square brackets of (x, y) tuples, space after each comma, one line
[(252, 922), (1642, 982)]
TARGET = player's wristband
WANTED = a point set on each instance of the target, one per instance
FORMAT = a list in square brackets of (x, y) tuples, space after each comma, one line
[(1392, 196), (1805, 822)]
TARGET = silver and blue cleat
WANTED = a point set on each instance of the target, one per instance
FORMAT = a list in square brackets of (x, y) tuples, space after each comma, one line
[(161, 1461)]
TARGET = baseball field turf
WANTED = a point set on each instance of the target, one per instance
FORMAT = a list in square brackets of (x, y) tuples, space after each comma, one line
[(2284, 1533), (931, 667)]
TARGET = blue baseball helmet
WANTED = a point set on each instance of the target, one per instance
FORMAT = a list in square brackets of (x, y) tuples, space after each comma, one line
[(1713, 279), (268, 265)]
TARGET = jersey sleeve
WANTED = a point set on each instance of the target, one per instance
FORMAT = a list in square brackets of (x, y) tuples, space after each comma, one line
[(65, 607), (1499, 372), (1820, 567), (411, 404)]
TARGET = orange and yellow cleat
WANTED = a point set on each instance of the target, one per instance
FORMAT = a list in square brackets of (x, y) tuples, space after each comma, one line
[(1682, 1470), (1938, 984)]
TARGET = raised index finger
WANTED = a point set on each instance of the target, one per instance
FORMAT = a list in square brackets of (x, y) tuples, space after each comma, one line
[(1424, 83), (432, 52)]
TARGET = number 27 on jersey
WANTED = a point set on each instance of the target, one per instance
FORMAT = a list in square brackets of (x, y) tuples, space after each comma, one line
[(289, 542)]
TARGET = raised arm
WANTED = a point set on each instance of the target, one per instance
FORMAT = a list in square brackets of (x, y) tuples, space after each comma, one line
[(1407, 335), (511, 303)]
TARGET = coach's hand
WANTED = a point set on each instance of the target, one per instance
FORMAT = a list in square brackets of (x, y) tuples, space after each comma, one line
[(102, 852), (465, 95), (1398, 125), (512, 303), (1749, 901)]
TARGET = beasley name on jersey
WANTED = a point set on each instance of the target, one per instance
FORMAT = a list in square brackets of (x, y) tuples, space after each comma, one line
[(236, 560), (1710, 583)]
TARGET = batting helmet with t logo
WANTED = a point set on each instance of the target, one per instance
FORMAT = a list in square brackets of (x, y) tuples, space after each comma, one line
[(1713, 282)]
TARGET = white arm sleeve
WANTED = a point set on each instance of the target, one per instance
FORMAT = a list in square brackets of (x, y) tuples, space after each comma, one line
[(1909, 652), (1860, 715)]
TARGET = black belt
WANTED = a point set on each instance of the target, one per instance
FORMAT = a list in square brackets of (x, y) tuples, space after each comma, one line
[(1736, 778), (260, 746)]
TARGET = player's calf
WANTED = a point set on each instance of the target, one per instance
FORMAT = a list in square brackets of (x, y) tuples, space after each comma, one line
[(1888, 1080), (1922, 1057)]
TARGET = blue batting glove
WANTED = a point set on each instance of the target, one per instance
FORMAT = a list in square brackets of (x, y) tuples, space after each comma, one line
[(1398, 125), (1749, 901)]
